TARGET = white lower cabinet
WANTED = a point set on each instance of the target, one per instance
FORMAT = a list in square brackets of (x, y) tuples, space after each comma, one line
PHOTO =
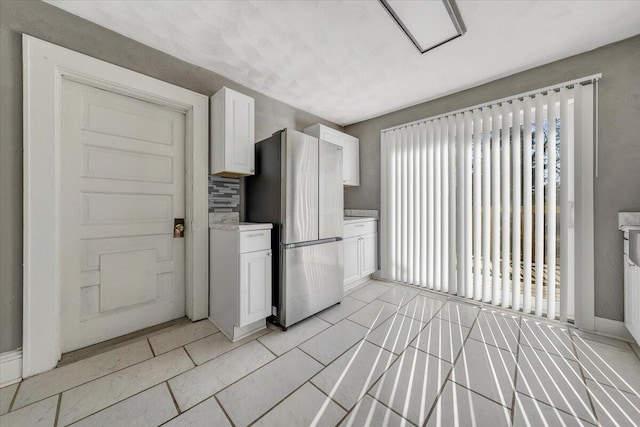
[(240, 269), (360, 251)]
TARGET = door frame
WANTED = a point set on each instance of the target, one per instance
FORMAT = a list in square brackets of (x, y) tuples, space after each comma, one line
[(44, 67)]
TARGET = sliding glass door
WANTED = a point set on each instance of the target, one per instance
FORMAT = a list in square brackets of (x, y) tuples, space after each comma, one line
[(482, 203)]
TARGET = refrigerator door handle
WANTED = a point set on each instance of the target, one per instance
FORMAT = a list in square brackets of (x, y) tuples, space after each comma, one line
[(312, 243)]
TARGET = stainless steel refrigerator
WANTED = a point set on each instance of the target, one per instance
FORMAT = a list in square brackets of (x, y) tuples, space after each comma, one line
[(298, 188)]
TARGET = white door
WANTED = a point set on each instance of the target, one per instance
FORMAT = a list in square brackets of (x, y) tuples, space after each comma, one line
[(351, 261), (255, 286), (122, 185), (369, 254)]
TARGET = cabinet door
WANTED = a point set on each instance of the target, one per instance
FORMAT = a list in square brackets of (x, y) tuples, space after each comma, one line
[(239, 133), (351, 147), (369, 248), (255, 287), (351, 259)]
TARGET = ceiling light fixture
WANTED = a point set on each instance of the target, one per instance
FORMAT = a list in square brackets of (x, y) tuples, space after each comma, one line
[(428, 24)]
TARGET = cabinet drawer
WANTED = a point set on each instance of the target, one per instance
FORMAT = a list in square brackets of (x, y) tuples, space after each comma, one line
[(256, 240), (358, 229)]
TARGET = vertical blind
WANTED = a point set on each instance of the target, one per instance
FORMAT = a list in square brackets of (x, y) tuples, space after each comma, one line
[(480, 203)]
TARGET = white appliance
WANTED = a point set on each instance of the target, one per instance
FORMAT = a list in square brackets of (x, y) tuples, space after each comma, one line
[(297, 186)]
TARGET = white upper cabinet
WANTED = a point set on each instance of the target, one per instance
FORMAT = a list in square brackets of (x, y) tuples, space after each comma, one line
[(232, 133), (351, 150)]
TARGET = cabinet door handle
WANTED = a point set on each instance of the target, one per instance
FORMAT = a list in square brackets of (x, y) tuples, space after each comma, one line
[(359, 225), (255, 235)]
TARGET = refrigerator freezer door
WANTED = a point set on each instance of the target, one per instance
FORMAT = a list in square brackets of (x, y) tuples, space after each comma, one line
[(312, 280), (330, 190), (300, 213)]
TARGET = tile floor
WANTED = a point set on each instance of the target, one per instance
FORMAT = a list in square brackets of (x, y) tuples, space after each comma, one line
[(387, 355)]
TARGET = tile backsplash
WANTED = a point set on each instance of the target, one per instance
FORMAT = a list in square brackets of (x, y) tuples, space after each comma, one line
[(224, 194)]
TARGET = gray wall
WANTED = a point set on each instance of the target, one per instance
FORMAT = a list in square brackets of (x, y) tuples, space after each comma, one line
[(54, 25), (616, 189)]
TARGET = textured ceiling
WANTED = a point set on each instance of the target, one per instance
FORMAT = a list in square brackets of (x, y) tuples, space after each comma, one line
[(347, 61)]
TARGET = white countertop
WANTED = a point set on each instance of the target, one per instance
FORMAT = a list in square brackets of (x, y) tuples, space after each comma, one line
[(240, 226), (358, 219), (628, 221)]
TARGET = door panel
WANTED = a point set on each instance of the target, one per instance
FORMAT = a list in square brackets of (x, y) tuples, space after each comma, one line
[(122, 184), (369, 254), (301, 187), (119, 270), (313, 280), (351, 261), (255, 287), (352, 161), (330, 191), (240, 126)]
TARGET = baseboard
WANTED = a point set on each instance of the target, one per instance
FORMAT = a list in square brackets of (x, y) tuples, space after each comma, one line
[(613, 329), (10, 367)]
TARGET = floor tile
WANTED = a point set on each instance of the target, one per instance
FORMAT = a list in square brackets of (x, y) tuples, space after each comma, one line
[(150, 408), (442, 296), (459, 313), (40, 414), (96, 395), (307, 406), (361, 285), (458, 406), (214, 345), (400, 295), (337, 312), (206, 414), (411, 385), (350, 376), (374, 314), (280, 341), (554, 380), (552, 338), (442, 339), (599, 338), (370, 292), (57, 380), (370, 412), (609, 365), (6, 396), (373, 281), (531, 413), (181, 336), (252, 396), (396, 333), (209, 378), (422, 308), (332, 342), (487, 370), (613, 406), (497, 328), (636, 349)]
